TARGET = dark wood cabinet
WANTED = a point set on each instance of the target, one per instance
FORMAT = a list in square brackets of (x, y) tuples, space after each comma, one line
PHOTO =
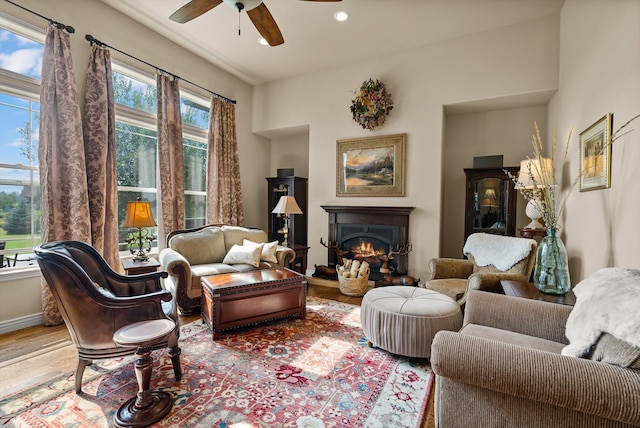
[(491, 201), (287, 186)]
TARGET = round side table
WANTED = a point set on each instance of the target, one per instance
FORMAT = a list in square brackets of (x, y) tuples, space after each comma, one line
[(148, 406)]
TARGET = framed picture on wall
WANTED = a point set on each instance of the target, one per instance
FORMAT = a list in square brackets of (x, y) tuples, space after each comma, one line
[(371, 166), (595, 155)]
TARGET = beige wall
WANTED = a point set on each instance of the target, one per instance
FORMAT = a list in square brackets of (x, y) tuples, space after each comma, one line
[(422, 81), (599, 74), (504, 132), (291, 151)]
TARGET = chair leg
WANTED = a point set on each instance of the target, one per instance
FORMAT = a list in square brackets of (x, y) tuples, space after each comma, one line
[(174, 353), (82, 363)]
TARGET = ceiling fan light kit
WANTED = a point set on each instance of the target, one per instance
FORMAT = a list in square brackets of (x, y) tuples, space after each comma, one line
[(246, 5), (256, 10)]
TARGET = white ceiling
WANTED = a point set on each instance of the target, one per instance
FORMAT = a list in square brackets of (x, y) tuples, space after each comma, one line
[(314, 41)]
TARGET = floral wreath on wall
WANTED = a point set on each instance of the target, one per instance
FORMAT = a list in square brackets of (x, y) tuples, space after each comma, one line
[(371, 105)]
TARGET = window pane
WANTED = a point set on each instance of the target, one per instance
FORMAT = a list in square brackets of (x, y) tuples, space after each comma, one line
[(134, 93), (194, 113), (19, 178), (19, 218), (195, 210), (130, 196), (19, 121), (136, 156), (20, 54), (195, 165)]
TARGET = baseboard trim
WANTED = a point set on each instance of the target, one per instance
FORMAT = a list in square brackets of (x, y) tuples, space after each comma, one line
[(326, 282), (20, 323)]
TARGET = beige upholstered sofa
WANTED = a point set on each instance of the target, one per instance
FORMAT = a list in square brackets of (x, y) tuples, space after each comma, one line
[(505, 369), (490, 258), (209, 250)]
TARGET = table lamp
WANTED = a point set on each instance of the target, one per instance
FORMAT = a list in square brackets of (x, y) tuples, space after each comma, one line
[(286, 205), (489, 199), (138, 217)]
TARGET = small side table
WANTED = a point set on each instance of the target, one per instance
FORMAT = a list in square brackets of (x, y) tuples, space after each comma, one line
[(148, 406), (529, 291), (138, 268), (301, 258), (532, 233)]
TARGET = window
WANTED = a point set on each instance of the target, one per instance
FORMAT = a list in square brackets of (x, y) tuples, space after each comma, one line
[(136, 145), (21, 49)]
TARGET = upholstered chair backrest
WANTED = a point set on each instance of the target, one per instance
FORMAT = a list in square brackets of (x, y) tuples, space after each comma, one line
[(498, 254), (235, 235), (200, 246)]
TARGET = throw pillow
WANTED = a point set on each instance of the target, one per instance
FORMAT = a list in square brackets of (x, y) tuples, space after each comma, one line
[(243, 255), (606, 302), (268, 250), (609, 349)]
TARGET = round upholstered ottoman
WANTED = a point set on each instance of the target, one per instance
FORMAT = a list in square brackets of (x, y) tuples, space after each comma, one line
[(403, 319)]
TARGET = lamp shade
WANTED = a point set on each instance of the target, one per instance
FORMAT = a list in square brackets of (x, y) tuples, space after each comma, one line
[(489, 199), (532, 172), (287, 205), (139, 215)]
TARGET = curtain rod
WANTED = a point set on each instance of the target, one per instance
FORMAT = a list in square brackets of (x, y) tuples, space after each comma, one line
[(58, 25), (93, 40)]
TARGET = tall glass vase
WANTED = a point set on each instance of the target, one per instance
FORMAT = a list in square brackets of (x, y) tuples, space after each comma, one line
[(551, 274)]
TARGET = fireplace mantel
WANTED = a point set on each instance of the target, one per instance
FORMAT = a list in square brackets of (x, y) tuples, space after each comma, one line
[(397, 217)]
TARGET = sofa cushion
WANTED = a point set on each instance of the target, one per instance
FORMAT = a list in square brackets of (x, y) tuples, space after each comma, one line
[(268, 250), (200, 247), (452, 287), (244, 255)]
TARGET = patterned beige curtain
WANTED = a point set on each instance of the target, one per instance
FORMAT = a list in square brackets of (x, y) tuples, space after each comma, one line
[(170, 153), (63, 178), (224, 190), (100, 150)]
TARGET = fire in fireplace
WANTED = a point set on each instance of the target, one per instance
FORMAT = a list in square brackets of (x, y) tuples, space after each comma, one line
[(369, 233), (366, 251)]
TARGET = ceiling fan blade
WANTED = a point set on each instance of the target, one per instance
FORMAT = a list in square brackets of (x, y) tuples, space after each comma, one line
[(193, 9), (266, 25)]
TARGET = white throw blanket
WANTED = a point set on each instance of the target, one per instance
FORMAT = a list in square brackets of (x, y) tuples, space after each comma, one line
[(606, 302), (498, 250)]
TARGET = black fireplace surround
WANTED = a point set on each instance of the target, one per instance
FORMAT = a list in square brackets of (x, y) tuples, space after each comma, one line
[(377, 229)]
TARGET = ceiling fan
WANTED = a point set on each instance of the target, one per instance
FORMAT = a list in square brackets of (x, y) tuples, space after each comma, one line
[(256, 9)]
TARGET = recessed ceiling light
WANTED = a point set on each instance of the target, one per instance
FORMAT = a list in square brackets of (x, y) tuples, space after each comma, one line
[(341, 16), (263, 41)]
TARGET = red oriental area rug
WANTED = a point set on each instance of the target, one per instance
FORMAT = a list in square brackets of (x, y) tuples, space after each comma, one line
[(317, 372)]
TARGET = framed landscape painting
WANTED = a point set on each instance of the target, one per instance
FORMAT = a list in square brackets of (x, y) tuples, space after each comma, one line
[(371, 166), (595, 155)]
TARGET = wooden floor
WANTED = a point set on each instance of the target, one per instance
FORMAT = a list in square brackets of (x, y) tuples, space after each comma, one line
[(34, 354)]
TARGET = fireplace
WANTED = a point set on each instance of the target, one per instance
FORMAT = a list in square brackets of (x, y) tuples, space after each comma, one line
[(367, 232)]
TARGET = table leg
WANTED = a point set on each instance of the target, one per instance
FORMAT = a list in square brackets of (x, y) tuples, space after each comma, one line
[(148, 406)]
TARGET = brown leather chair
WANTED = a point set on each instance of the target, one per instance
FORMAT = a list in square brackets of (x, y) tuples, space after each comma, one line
[(95, 302)]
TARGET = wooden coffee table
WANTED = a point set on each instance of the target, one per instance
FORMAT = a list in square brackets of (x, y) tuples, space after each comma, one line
[(245, 298), (529, 291)]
